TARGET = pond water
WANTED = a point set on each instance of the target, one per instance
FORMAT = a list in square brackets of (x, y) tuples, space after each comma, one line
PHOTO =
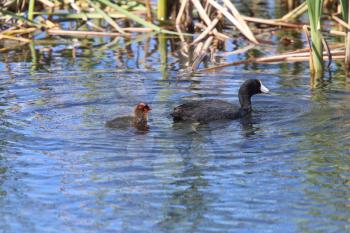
[(286, 169)]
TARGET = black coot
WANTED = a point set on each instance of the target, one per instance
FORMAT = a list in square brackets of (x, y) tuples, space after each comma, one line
[(204, 111), (138, 120)]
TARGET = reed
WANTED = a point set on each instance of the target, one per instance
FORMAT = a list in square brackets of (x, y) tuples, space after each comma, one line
[(295, 13), (134, 17), (19, 17), (106, 17), (344, 5), (315, 12), (31, 9), (162, 10)]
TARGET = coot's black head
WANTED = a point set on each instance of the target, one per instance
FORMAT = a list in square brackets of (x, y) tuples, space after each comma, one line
[(248, 89), (252, 87)]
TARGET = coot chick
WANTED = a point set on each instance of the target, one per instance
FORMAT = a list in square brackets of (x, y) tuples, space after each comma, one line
[(204, 111), (138, 120)]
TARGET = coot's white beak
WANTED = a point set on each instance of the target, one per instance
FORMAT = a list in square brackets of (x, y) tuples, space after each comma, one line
[(263, 89)]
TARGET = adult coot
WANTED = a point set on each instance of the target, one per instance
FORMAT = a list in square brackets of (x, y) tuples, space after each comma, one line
[(204, 111), (138, 120)]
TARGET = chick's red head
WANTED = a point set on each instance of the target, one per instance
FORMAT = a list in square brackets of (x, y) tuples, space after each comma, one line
[(144, 107)]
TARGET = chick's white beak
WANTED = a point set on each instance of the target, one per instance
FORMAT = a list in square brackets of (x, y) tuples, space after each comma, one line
[(263, 89)]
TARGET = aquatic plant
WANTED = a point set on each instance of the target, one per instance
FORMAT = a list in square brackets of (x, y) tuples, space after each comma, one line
[(344, 5), (162, 10), (315, 12), (345, 15)]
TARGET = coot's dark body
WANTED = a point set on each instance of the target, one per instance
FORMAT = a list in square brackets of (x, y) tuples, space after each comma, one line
[(204, 111)]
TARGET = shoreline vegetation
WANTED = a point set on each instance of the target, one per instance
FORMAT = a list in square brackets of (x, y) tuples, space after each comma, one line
[(202, 27)]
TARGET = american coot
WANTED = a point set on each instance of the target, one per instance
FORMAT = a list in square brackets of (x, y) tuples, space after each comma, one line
[(138, 120), (204, 111)]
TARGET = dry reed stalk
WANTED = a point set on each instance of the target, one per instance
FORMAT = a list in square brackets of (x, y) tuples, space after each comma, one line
[(198, 48), (235, 63), (181, 11), (301, 57), (2, 36), (184, 51), (77, 8), (206, 31), (282, 57), (133, 29), (178, 29), (334, 32), (296, 12), (272, 22), (239, 17), (233, 20), (291, 25), (178, 20), (238, 51), (207, 6), (335, 47), (47, 3), (341, 22), (207, 44), (200, 25), (207, 20), (110, 44), (59, 32), (18, 31), (149, 17), (202, 53), (259, 31), (220, 36), (9, 29), (201, 11), (108, 19), (298, 59), (90, 15)]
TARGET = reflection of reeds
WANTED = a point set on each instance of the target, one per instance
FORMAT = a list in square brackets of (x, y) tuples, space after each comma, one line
[(337, 53)]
